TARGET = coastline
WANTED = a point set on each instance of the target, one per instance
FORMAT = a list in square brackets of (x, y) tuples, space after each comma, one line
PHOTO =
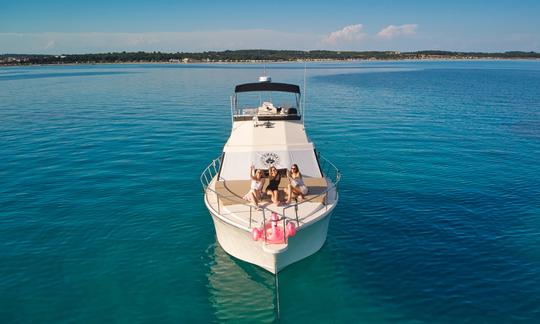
[(260, 56), (255, 62)]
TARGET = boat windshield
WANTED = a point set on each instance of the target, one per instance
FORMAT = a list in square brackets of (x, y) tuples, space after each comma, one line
[(267, 105), (257, 99)]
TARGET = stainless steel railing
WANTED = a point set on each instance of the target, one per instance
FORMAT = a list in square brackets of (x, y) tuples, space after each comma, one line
[(332, 175), (329, 172)]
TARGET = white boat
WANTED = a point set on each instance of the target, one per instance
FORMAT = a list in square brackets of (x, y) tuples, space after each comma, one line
[(269, 132)]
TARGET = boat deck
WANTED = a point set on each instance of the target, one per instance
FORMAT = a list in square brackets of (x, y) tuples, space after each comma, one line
[(232, 191), (231, 205)]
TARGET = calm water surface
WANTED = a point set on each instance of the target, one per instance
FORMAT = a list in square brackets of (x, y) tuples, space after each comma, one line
[(102, 217)]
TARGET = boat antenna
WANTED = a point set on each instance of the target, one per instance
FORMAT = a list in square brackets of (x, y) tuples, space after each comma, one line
[(305, 92)]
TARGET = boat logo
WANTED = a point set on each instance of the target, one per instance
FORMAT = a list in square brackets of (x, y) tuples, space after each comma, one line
[(269, 159)]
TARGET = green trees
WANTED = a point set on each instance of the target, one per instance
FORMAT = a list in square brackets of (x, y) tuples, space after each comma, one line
[(250, 56)]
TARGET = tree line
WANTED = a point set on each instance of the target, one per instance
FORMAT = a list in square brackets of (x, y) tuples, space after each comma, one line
[(253, 55)]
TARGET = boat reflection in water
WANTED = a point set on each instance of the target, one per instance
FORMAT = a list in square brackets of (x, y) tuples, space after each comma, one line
[(238, 291), (241, 292)]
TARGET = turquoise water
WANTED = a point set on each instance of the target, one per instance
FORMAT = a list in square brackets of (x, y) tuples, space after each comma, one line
[(102, 217)]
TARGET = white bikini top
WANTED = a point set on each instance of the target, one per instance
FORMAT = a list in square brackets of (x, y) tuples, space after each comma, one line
[(256, 185)]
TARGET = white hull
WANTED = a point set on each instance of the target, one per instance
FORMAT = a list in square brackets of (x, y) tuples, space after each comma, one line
[(239, 243)]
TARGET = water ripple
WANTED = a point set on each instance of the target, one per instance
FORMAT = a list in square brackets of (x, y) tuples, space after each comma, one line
[(101, 213)]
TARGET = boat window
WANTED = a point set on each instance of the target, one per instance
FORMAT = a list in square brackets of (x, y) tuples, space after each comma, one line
[(274, 102)]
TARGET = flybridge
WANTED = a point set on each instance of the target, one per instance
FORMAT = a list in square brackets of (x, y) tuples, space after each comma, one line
[(272, 101)]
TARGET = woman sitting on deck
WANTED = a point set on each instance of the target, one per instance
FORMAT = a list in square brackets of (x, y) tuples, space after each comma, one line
[(296, 185), (273, 185), (254, 194)]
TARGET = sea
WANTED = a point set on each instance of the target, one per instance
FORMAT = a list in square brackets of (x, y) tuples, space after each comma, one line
[(102, 218)]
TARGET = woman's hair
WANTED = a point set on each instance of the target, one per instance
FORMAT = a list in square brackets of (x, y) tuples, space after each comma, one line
[(270, 170), (297, 169), (257, 171)]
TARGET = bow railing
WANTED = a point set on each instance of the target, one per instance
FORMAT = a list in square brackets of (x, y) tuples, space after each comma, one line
[(328, 170)]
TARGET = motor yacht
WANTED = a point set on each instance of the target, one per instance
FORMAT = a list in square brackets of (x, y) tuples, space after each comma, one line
[(268, 130)]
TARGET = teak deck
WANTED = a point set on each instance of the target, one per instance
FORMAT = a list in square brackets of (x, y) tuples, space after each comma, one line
[(232, 191)]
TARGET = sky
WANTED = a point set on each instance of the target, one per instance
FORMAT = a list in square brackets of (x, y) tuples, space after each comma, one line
[(69, 27)]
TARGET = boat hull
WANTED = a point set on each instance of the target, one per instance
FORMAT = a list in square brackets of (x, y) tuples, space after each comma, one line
[(239, 243)]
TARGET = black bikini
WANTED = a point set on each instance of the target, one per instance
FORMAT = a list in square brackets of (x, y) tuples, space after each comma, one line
[(274, 183)]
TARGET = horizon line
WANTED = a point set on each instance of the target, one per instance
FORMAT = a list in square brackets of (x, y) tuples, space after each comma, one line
[(283, 50)]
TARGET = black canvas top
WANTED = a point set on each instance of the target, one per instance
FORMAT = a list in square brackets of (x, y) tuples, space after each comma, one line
[(267, 86)]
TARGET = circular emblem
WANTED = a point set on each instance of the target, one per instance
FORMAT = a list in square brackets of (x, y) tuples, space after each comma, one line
[(269, 159)]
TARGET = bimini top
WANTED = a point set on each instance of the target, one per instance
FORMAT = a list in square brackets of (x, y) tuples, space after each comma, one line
[(267, 86)]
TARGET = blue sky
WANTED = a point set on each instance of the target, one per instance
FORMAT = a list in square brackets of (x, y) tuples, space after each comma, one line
[(55, 27)]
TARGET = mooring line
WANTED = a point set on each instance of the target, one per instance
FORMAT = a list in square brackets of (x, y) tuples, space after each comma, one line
[(277, 295)]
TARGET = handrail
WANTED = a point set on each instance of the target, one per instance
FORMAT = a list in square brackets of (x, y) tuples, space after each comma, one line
[(334, 185), (333, 175)]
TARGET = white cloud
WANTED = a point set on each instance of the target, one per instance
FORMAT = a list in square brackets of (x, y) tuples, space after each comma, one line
[(393, 31), (349, 34)]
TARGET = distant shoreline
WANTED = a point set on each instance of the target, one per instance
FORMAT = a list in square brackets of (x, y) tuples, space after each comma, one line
[(266, 62), (256, 57)]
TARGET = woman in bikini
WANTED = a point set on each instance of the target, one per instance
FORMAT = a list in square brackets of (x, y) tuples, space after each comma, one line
[(296, 185), (254, 194), (273, 185)]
